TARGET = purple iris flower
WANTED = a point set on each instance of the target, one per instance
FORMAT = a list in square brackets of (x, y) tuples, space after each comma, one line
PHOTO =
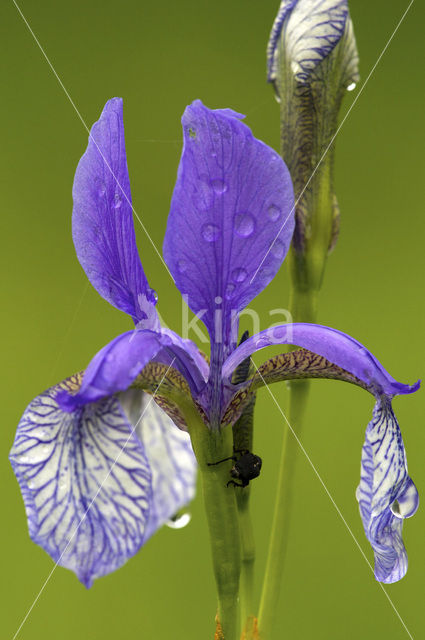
[(100, 462)]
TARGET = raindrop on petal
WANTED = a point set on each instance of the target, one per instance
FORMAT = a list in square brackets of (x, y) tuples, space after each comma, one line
[(182, 265), (230, 289), (219, 186), (239, 275), (278, 249), (273, 212), (210, 232), (117, 200), (244, 225)]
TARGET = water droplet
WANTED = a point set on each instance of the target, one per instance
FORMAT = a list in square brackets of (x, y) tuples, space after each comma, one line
[(278, 249), (407, 503), (229, 291), (179, 521), (152, 295), (351, 86), (279, 333), (219, 186), (101, 188), (239, 274), (262, 342), (218, 300), (210, 232), (117, 200), (244, 224), (273, 212), (182, 265)]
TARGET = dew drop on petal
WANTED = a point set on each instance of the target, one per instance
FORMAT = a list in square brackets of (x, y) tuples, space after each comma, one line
[(152, 296), (262, 342), (279, 333), (273, 213), (182, 265), (210, 232), (244, 224), (219, 186), (101, 188), (230, 289), (117, 200), (239, 274), (351, 86), (278, 249), (179, 521)]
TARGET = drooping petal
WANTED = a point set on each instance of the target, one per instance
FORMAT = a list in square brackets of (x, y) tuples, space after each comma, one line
[(232, 201), (85, 481), (336, 346), (115, 367), (102, 221), (171, 459), (386, 493)]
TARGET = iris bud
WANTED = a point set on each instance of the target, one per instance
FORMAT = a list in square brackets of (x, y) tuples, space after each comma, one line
[(312, 62)]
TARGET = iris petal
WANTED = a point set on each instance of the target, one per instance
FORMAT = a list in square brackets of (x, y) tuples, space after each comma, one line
[(116, 366), (102, 221), (386, 493), (171, 459), (232, 201), (88, 513), (336, 346)]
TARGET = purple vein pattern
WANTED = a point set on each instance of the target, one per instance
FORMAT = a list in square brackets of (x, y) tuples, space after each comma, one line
[(86, 484), (386, 493)]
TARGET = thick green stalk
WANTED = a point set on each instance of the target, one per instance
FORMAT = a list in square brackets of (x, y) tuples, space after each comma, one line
[(282, 514), (248, 556), (220, 505), (302, 305)]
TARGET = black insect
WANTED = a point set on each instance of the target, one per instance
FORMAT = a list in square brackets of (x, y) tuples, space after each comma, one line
[(246, 467)]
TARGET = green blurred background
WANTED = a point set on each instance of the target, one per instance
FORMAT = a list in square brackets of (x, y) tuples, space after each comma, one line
[(159, 57)]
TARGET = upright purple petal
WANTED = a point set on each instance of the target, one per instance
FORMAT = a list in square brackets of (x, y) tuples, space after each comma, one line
[(85, 481), (386, 493), (233, 199), (102, 220), (336, 346), (171, 458)]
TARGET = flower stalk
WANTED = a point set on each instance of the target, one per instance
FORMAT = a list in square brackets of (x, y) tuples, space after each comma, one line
[(212, 446)]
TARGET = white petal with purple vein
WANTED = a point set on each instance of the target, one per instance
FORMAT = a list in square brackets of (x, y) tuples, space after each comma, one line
[(170, 456), (86, 484), (386, 493)]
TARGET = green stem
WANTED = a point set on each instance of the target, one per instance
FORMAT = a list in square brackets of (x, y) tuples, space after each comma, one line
[(220, 505), (248, 556), (302, 305), (282, 513)]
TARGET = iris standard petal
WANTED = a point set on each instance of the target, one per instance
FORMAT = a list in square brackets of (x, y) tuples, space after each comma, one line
[(102, 220), (233, 198), (311, 30), (88, 513), (336, 346), (170, 455), (386, 493)]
